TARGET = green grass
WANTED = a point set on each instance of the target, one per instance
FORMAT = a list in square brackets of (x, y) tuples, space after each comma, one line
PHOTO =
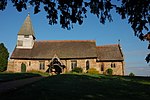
[(83, 87), (16, 76), (40, 73)]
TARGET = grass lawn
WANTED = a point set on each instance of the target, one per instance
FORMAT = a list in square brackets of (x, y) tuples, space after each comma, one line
[(83, 87)]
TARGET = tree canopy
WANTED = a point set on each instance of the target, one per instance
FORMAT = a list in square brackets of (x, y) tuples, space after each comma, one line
[(3, 57), (69, 12)]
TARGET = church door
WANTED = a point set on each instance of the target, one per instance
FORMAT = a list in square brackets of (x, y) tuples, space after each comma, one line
[(23, 68)]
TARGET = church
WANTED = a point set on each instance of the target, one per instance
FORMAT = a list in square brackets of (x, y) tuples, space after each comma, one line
[(61, 56)]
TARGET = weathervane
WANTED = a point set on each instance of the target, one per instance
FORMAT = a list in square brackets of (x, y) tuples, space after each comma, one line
[(119, 41), (28, 7)]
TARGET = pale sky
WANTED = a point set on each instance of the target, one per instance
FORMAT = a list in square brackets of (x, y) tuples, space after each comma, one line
[(134, 50)]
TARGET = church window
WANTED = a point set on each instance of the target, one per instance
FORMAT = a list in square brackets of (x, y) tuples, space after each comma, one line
[(113, 65), (20, 43), (42, 65), (102, 67), (26, 36), (87, 65), (73, 64), (29, 63)]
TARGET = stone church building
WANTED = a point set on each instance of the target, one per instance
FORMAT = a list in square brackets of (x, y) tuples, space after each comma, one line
[(62, 56)]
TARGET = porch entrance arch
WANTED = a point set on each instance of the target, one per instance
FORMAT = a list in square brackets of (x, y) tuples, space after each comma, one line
[(56, 66)]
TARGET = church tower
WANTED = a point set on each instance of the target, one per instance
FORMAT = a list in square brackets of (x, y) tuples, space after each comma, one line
[(26, 36)]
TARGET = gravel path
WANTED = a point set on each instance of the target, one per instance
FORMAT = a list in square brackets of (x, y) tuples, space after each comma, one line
[(12, 85)]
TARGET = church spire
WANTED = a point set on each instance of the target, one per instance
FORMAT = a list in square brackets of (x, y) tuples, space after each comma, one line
[(26, 36), (26, 28)]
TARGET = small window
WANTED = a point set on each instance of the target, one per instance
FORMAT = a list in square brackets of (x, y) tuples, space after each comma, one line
[(102, 67), (113, 65), (42, 65), (20, 43), (26, 36), (73, 64), (87, 65), (29, 63)]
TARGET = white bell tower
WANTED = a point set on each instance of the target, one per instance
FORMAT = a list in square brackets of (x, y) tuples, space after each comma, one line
[(26, 36)]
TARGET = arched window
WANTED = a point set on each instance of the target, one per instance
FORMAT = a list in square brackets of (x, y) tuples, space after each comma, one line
[(87, 65), (29, 63), (113, 65), (102, 67)]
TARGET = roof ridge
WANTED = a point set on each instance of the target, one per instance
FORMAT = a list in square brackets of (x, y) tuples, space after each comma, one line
[(107, 45), (65, 41)]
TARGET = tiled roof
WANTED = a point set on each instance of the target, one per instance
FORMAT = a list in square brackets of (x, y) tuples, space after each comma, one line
[(26, 28), (109, 52), (63, 49)]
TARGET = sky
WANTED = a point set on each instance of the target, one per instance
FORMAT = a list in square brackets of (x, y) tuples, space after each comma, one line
[(133, 49)]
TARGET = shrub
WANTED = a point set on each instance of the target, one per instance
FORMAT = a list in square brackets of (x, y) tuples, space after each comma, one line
[(109, 71), (77, 70), (92, 71), (131, 74)]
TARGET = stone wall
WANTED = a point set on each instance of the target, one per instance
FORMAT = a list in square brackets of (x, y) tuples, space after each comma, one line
[(10, 66), (118, 69), (81, 63), (15, 65)]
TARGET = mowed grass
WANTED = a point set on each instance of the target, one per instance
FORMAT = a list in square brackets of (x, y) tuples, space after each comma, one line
[(83, 87)]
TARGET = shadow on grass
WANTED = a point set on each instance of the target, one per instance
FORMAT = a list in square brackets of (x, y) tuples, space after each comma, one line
[(81, 87), (16, 76)]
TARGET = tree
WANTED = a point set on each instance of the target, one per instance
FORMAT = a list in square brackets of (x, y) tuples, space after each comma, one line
[(3, 57), (68, 12), (131, 74)]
